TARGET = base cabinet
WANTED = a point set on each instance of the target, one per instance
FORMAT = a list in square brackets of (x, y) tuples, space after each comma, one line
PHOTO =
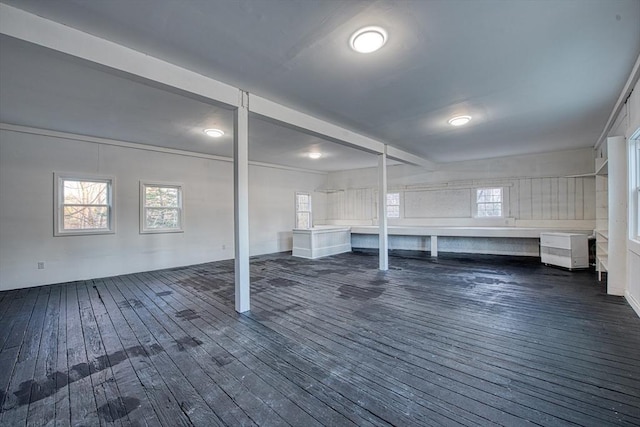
[(566, 250)]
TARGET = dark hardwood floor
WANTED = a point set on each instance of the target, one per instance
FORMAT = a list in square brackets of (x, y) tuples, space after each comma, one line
[(478, 340)]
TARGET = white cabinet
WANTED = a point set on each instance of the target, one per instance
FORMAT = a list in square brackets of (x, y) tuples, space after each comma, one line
[(569, 250), (321, 241)]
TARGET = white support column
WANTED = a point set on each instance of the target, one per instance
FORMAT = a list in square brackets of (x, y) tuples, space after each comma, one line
[(618, 187), (434, 246), (382, 211), (241, 203)]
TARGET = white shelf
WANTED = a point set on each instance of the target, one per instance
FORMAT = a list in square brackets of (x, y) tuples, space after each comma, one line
[(602, 234)]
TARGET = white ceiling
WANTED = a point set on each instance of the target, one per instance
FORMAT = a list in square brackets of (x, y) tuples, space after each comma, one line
[(46, 89), (535, 75)]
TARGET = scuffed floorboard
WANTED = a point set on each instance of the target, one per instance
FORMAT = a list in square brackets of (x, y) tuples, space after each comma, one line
[(455, 340)]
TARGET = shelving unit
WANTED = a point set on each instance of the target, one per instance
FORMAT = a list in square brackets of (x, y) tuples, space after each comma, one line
[(602, 216), (611, 215)]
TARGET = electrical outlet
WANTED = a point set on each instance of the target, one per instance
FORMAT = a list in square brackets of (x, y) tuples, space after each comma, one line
[(40, 265)]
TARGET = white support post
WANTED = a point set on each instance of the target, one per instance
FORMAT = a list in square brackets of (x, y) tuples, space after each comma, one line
[(241, 203), (618, 187), (382, 211), (434, 246)]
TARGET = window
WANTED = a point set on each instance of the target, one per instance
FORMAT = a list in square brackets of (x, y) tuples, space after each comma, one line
[(303, 210), (634, 203), (161, 209), (393, 205), (84, 205), (637, 173), (489, 202)]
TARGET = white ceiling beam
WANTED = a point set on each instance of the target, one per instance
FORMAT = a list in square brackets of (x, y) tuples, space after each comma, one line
[(140, 66), (403, 156), (278, 113), (53, 35), (295, 119)]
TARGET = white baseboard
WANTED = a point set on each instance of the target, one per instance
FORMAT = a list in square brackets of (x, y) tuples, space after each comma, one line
[(633, 302)]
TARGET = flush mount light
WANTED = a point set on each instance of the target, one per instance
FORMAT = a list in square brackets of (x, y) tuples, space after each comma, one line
[(459, 120), (214, 133), (368, 39), (315, 155)]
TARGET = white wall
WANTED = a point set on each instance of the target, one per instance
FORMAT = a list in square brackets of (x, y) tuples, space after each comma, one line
[(628, 124), (539, 192), (27, 164)]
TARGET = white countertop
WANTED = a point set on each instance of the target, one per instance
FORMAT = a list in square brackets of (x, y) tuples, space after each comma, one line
[(521, 232)]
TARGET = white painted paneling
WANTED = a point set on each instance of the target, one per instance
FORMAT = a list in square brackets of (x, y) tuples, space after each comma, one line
[(437, 204), (571, 197), (525, 202), (563, 197), (27, 164), (580, 200), (545, 200)]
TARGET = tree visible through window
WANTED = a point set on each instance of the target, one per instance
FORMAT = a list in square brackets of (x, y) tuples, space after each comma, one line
[(393, 205), (84, 205), (489, 202), (161, 208)]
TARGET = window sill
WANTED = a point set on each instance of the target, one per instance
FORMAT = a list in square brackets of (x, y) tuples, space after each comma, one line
[(82, 233), (161, 231)]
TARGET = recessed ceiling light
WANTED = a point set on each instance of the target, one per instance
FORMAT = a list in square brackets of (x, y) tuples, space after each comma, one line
[(368, 39), (459, 120), (214, 133), (315, 155)]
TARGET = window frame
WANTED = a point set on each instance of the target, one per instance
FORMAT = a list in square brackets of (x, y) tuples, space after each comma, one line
[(296, 211), (503, 202), (398, 205), (143, 207), (634, 187), (59, 205)]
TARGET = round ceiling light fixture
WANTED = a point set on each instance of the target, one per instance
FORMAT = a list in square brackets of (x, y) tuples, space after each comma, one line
[(214, 133), (315, 155), (368, 39), (459, 120)]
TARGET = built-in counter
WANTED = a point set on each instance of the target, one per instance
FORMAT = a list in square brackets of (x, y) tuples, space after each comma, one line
[(490, 240), (321, 241)]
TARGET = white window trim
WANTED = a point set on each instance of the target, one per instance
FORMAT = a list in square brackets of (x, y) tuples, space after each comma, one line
[(399, 205), (143, 208), (58, 202), (634, 188), (296, 211), (505, 202)]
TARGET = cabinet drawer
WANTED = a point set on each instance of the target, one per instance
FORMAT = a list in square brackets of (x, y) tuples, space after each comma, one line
[(555, 241)]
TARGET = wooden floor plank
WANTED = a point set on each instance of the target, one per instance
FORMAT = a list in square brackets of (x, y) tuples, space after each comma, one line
[(146, 327), (103, 381), (363, 391), (457, 340), (405, 332), (375, 370), (227, 349), (41, 401), (141, 349), (61, 378), (82, 400), (138, 411), (17, 401), (185, 348)]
